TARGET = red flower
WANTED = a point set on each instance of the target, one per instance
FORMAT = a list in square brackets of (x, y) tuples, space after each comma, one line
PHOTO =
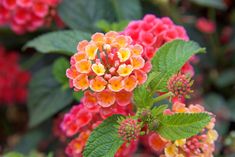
[(13, 80)]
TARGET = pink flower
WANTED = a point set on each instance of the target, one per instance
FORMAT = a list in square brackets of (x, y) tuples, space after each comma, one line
[(80, 121), (77, 118), (152, 32), (205, 25)]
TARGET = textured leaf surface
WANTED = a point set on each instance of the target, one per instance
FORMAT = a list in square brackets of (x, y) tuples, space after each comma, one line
[(104, 140), (64, 42), (77, 15), (46, 97), (182, 125), (159, 110), (142, 97), (169, 59)]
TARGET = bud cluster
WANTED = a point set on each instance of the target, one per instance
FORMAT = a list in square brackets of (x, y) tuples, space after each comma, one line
[(180, 85), (129, 129)]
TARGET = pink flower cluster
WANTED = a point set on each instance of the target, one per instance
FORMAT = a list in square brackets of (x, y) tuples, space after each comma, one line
[(152, 32), (82, 121), (13, 80), (26, 15)]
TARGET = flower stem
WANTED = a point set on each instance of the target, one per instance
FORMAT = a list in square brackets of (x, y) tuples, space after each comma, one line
[(162, 97)]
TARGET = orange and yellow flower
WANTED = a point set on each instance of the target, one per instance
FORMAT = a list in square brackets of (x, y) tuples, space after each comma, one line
[(98, 69), (115, 84), (108, 63), (98, 84)]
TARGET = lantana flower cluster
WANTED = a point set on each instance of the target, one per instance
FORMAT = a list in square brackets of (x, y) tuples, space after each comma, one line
[(13, 80), (108, 68), (199, 145), (27, 15), (152, 32)]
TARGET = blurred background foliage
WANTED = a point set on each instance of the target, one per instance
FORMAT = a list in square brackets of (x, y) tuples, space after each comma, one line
[(25, 128)]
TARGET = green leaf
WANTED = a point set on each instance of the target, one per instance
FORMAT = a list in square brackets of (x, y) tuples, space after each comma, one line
[(63, 42), (156, 111), (50, 154), (32, 138), (151, 77), (219, 106), (182, 125), (142, 97), (78, 95), (13, 154), (46, 97), (226, 78), (116, 26), (104, 140), (169, 59), (84, 14), (128, 10), (218, 4), (59, 70)]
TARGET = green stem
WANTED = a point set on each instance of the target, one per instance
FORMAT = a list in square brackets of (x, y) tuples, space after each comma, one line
[(162, 97)]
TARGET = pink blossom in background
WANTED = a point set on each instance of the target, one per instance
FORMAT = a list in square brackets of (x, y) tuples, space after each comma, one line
[(27, 15), (152, 32), (13, 80), (205, 25)]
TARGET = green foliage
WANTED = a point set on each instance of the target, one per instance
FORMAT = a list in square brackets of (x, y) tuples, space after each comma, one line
[(84, 14), (226, 78), (46, 97), (59, 70), (104, 140), (182, 125), (63, 42), (158, 110), (13, 154), (142, 97), (32, 138), (216, 103), (32, 154), (151, 77), (115, 26), (128, 10), (78, 95), (218, 4), (169, 59)]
